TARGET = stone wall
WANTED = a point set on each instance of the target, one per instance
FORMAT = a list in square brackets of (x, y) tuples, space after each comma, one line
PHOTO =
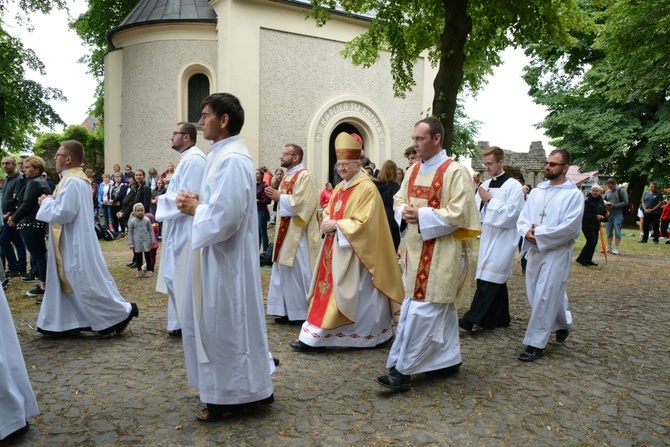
[(530, 163)]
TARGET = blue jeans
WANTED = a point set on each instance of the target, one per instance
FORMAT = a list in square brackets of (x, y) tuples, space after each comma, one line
[(34, 239), (16, 260), (107, 215), (613, 225)]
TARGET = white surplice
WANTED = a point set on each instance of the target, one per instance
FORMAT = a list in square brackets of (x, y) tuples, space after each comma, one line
[(177, 229), (224, 333), (499, 240), (17, 400), (95, 302), (556, 214)]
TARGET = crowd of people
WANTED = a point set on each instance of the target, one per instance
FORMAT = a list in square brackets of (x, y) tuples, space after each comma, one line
[(380, 256)]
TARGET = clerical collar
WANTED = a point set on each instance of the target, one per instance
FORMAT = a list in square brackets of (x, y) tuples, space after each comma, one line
[(185, 151), (433, 162), (295, 169), (346, 182), (497, 182), (219, 144)]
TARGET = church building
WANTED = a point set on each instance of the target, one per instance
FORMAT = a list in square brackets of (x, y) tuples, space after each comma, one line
[(293, 82)]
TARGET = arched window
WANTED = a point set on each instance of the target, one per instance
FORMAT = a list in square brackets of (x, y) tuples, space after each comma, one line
[(198, 89)]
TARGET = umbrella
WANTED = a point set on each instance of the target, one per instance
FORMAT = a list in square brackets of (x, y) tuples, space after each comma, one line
[(603, 243)]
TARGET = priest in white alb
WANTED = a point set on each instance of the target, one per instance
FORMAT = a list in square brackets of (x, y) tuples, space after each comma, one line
[(499, 200), (17, 400), (223, 326), (177, 226), (357, 278), (435, 209), (297, 238), (550, 224), (80, 293)]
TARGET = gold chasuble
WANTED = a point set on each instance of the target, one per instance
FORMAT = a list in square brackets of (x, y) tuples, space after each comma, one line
[(359, 212), (57, 229), (438, 270), (303, 197)]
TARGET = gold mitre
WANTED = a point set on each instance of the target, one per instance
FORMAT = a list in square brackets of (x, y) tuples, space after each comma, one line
[(347, 148)]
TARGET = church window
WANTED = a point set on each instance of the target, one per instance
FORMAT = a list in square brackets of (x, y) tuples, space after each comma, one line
[(198, 89)]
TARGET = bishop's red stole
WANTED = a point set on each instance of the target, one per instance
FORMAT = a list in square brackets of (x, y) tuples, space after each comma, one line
[(323, 292), (287, 188), (433, 194)]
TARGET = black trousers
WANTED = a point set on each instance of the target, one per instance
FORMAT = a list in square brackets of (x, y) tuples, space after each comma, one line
[(654, 220), (591, 235), (490, 306)]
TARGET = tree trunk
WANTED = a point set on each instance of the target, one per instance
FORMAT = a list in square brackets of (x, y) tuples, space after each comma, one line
[(457, 27), (636, 186)]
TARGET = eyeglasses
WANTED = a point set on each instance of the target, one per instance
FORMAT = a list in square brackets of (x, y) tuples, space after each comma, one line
[(552, 164), (286, 154), (60, 155), (179, 133), (344, 164)]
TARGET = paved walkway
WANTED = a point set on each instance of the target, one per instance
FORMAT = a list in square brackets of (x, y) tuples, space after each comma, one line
[(607, 385)]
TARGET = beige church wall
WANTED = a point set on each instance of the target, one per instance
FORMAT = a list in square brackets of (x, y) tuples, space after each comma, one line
[(151, 102), (286, 70), (295, 90)]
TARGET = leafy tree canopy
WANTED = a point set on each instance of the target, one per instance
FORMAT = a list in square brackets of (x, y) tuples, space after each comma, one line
[(608, 105), (463, 38)]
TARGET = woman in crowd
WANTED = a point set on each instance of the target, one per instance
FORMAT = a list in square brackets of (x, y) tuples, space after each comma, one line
[(159, 191), (387, 185), (104, 197), (276, 181), (167, 174), (400, 176), (127, 204), (117, 193), (32, 230), (143, 190), (95, 188), (595, 212), (262, 202), (153, 178), (324, 197)]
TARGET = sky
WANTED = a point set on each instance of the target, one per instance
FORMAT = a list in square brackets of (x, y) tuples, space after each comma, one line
[(507, 113)]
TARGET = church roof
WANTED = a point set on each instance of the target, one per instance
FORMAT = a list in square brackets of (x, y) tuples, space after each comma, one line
[(148, 12)]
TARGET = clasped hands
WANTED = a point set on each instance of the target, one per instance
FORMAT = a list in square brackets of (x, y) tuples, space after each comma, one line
[(187, 202), (410, 214)]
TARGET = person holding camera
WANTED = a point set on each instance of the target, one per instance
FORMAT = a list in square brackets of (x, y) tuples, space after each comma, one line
[(595, 212)]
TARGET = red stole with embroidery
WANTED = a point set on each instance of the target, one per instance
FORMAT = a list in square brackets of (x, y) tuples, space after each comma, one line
[(285, 188)]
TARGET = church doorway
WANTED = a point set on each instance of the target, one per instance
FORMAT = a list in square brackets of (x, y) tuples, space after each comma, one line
[(332, 158)]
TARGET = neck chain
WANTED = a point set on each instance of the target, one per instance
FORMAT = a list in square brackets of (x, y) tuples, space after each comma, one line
[(546, 202)]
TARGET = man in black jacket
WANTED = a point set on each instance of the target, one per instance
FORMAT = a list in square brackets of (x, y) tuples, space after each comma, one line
[(15, 260)]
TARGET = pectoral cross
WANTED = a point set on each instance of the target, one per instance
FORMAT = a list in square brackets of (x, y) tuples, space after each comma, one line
[(542, 214)]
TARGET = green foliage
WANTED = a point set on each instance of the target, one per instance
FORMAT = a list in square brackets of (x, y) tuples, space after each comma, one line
[(407, 28), (92, 27), (608, 103), (24, 104)]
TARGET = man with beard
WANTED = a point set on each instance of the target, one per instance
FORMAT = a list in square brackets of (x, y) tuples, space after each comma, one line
[(550, 223), (177, 226), (296, 243), (499, 200)]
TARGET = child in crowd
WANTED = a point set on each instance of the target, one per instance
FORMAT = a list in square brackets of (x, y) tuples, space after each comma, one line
[(154, 247), (140, 239)]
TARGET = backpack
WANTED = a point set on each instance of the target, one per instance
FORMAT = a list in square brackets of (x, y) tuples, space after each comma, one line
[(629, 208), (266, 255), (99, 230), (109, 235)]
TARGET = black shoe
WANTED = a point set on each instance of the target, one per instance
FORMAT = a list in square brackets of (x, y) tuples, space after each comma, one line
[(275, 361), (641, 242), (444, 372), (282, 320), (21, 431), (667, 242), (267, 400), (120, 235), (592, 263), (395, 380), (562, 335), (175, 333), (5, 284), (465, 325), (303, 347), (655, 242), (10, 274), (584, 263), (37, 291), (131, 264), (531, 354), (38, 300), (29, 277), (120, 327)]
